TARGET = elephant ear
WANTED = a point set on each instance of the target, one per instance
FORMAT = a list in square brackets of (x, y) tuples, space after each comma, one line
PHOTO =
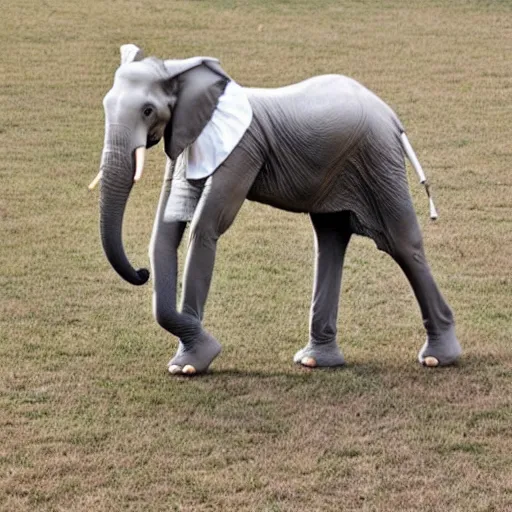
[(130, 53), (199, 83)]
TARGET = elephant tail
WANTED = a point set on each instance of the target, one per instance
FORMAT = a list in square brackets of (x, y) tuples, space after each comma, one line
[(411, 155)]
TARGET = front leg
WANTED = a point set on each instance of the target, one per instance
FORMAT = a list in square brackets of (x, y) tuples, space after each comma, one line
[(332, 235), (221, 199), (163, 250), (196, 353)]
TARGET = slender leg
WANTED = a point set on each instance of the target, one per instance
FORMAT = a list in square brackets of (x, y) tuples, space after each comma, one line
[(332, 235), (202, 248), (222, 198), (165, 273), (165, 241), (442, 347)]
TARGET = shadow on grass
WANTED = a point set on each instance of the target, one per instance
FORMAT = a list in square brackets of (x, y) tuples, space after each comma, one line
[(387, 373), (357, 368)]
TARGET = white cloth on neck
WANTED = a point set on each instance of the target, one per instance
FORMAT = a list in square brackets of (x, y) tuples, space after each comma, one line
[(221, 134)]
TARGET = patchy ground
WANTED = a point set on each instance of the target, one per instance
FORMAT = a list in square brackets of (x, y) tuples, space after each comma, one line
[(91, 421)]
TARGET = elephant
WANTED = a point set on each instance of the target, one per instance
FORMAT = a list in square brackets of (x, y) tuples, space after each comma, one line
[(327, 147)]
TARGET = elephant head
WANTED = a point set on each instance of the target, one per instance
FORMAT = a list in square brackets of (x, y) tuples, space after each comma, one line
[(150, 99)]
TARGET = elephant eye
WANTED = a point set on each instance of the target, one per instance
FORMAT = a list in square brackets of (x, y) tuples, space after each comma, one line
[(148, 111)]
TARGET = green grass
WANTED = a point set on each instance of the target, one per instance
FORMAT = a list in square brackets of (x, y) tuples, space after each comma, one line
[(89, 418)]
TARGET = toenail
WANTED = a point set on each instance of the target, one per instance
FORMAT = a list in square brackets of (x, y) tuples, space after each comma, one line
[(188, 369), (431, 361), (308, 361), (174, 369)]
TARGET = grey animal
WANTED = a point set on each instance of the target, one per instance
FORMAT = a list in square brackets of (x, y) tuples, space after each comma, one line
[(326, 146)]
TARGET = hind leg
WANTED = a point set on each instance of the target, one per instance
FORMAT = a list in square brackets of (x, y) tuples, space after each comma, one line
[(406, 247), (332, 235)]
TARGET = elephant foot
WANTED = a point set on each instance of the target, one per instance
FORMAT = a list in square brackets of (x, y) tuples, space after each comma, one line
[(441, 349), (196, 357), (315, 355)]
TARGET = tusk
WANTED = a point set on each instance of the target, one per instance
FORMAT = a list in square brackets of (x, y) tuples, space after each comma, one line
[(95, 181), (139, 162)]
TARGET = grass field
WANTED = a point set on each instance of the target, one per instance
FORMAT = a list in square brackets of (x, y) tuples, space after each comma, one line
[(89, 418)]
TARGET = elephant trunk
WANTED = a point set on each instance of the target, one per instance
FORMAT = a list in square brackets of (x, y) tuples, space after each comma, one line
[(117, 171)]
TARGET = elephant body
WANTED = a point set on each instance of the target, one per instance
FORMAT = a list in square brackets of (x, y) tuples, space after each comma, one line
[(338, 151), (326, 146)]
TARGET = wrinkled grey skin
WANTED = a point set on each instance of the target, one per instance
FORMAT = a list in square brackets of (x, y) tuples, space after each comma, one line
[(326, 146)]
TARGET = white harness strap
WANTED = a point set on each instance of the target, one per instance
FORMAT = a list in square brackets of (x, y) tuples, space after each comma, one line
[(220, 136)]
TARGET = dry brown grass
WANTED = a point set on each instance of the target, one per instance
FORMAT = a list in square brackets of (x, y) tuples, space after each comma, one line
[(91, 421)]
